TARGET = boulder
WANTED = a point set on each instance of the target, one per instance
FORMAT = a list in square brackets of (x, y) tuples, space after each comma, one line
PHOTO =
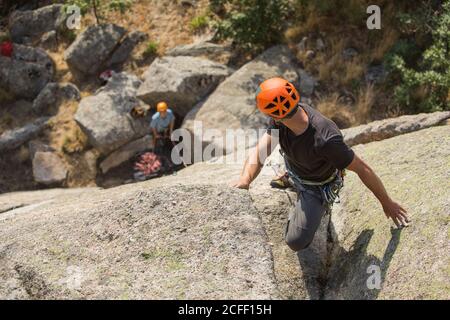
[(410, 263), (349, 53), (166, 242), (376, 74), (27, 72), (92, 48), (387, 128), (35, 146), (232, 105), (32, 24), (49, 41), (307, 83), (48, 168), (53, 95), (181, 81), (20, 110), (303, 44), (126, 152), (320, 45), (105, 117), (206, 49), (13, 139), (125, 48)]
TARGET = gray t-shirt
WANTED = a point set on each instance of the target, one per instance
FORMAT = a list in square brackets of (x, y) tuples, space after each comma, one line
[(161, 124)]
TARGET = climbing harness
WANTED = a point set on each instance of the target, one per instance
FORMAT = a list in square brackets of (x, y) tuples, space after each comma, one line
[(329, 188)]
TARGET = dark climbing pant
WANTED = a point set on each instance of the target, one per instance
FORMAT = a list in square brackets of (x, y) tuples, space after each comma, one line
[(304, 219)]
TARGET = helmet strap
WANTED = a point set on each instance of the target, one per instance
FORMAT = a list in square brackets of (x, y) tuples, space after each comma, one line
[(291, 113)]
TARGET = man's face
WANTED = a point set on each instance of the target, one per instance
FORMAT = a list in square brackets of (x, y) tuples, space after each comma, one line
[(163, 114)]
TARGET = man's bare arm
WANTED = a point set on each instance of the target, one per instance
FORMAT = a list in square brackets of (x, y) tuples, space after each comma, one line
[(255, 161), (391, 208)]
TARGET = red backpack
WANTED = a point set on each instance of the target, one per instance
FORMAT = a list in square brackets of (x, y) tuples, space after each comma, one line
[(6, 48)]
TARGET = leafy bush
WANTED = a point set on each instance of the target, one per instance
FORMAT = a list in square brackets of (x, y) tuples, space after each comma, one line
[(4, 37), (120, 5), (252, 24), (423, 77), (151, 49), (199, 23)]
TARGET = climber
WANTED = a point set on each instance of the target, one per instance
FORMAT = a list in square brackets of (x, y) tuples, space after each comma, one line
[(315, 156), (162, 124)]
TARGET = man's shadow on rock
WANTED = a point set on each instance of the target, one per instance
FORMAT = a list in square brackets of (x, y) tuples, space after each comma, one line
[(340, 274)]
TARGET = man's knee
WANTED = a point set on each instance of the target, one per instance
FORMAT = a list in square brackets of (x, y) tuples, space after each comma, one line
[(300, 240)]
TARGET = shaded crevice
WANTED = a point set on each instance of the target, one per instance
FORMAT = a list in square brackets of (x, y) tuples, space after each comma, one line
[(267, 237), (12, 208), (330, 243)]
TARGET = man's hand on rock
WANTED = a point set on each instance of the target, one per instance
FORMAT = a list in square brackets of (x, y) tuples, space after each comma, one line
[(397, 213), (240, 184)]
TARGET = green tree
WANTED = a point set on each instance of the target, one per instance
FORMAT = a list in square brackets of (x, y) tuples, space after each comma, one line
[(424, 85), (252, 24)]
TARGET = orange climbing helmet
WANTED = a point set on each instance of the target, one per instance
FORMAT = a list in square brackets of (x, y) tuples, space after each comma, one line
[(161, 107), (277, 98)]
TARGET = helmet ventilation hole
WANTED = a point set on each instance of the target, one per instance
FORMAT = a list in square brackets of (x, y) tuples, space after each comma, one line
[(270, 105)]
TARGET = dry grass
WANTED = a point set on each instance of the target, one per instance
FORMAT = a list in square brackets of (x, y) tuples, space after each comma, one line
[(333, 109), (330, 65), (389, 38), (65, 135), (337, 74), (348, 115), (364, 104)]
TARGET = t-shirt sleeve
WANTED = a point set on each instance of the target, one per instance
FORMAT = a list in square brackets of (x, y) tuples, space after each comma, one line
[(154, 121), (337, 152)]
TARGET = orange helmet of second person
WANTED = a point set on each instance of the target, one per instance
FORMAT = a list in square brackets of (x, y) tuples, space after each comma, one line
[(277, 98), (161, 107)]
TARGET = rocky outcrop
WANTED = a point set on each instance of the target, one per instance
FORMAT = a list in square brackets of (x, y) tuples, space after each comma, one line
[(411, 263), (27, 72), (125, 48), (48, 168), (205, 49), (92, 48), (307, 83), (49, 41), (105, 117), (181, 81), (53, 95), (232, 104), (28, 26), (190, 236), (376, 74), (387, 128), (13, 139), (145, 244)]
